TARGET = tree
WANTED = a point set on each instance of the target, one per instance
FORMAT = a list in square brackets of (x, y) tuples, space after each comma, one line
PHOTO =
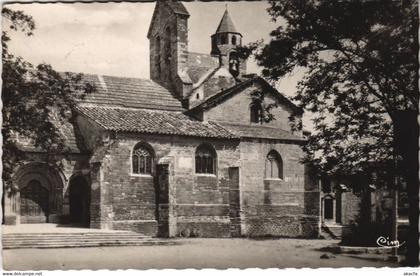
[(360, 60), (263, 109), (36, 100)]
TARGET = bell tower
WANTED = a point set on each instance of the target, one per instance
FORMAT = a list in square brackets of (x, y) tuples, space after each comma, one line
[(168, 40), (224, 43)]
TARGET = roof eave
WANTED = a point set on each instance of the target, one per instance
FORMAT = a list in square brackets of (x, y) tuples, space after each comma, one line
[(232, 137), (290, 140), (216, 33)]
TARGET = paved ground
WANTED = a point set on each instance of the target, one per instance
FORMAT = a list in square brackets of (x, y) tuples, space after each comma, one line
[(49, 228), (190, 253)]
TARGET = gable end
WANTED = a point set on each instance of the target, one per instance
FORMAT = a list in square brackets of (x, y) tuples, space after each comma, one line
[(229, 93)]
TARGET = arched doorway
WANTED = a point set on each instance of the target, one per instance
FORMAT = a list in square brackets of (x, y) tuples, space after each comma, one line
[(79, 197), (35, 194), (34, 203)]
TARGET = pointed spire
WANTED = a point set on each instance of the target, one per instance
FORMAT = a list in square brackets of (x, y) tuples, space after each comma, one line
[(226, 24)]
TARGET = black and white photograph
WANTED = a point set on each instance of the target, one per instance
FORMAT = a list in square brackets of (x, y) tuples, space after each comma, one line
[(210, 134)]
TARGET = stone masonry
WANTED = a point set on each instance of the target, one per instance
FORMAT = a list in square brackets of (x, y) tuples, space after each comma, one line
[(178, 155)]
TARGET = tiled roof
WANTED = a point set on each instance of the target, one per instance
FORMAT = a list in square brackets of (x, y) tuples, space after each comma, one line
[(226, 24), (197, 73), (225, 94), (152, 121), (200, 67), (259, 131), (130, 92), (212, 100)]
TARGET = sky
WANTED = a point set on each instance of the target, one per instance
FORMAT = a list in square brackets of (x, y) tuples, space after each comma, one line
[(110, 38)]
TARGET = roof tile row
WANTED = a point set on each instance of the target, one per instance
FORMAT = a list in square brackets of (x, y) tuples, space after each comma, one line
[(176, 123), (130, 93), (152, 121)]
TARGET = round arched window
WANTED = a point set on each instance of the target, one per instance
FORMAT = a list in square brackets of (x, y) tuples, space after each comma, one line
[(143, 159), (274, 165), (205, 160)]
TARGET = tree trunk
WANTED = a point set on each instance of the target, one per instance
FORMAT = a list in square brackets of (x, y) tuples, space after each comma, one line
[(406, 137)]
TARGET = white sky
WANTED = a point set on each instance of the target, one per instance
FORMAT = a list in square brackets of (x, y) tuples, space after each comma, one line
[(110, 38)]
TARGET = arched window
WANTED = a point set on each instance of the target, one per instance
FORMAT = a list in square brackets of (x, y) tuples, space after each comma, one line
[(142, 159), (205, 159), (234, 40), (274, 165)]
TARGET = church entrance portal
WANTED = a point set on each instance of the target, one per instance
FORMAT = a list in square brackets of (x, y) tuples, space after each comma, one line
[(79, 196), (34, 203)]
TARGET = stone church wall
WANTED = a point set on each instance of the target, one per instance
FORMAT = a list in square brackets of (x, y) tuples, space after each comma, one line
[(276, 207), (169, 58), (237, 110), (198, 204)]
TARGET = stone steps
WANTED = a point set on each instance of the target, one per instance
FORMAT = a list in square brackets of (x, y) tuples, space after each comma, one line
[(64, 240), (70, 235), (331, 232)]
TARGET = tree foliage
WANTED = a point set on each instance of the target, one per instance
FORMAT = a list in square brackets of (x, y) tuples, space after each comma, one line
[(360, 84), (361, 68), (36, 99), (264, 108)]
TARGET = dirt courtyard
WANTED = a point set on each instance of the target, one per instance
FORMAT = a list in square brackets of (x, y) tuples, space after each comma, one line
[(190, 253)]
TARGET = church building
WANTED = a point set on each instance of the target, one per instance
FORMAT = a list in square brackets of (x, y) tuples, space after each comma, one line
[(182, 154)]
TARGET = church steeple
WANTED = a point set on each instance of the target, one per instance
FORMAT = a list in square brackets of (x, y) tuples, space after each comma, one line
[(226, 36), (226, 24), (224, 42)]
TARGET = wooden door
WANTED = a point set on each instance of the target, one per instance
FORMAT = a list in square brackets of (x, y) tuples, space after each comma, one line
[(34, 203)]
